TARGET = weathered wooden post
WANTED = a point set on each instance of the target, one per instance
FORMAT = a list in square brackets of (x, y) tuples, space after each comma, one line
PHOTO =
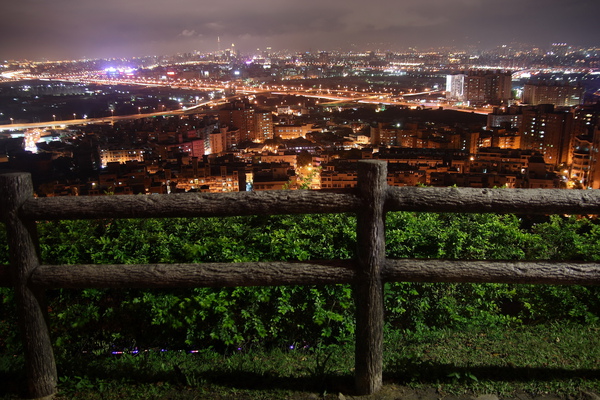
[(368, 288), (15, 189)]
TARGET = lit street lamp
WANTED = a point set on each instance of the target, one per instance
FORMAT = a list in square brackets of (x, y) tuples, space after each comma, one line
[(54, 117), (12, 121), (73, 115)]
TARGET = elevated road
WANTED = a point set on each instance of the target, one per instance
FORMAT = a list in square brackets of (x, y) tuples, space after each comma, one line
[(333, 97), (197, 109)]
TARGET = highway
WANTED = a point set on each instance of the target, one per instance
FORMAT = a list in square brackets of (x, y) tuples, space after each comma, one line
[(334, 97), (197, 109)]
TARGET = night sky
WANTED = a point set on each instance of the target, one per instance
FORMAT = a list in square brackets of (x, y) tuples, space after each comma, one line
[(59, 29)]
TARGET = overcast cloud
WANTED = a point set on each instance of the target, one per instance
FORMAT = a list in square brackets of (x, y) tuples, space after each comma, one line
[(56, 29)]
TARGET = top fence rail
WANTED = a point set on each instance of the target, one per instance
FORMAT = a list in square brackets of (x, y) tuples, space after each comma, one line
[(422, 199)]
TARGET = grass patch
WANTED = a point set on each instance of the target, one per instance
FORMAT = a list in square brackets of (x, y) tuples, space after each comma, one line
[(562, 359), (551, 358)]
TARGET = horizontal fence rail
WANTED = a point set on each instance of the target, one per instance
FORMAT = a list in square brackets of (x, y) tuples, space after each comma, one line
[(165, 276), (426, 199), (498, 201), (370, 201), (189, 205)]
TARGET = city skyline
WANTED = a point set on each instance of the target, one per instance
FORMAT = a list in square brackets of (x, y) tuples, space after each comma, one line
[(63, 29)]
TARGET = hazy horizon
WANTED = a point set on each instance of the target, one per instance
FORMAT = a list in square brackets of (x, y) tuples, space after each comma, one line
[(68, 29)]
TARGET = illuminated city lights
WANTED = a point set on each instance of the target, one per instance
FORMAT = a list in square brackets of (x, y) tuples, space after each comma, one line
[(293, 92)]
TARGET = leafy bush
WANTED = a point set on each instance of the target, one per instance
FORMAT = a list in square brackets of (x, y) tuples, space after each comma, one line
[(278, 316), (203, 316)]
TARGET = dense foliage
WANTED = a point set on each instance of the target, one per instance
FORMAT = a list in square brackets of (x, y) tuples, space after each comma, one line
[(300, 315)]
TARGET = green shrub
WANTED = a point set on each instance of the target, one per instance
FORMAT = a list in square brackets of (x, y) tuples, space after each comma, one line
[(277, 316)]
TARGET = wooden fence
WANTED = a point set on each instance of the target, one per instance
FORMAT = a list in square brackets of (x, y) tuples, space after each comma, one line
[(372, 199)]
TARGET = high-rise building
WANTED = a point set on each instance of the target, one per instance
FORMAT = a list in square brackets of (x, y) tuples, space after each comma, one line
[(252, 124), (586, 118), (455, 87), (558, 95), (549, 132), (385, 136), (587, 123), (263, 126), (485, 87), (480, 87), (579, 167), (222, 140), (505, 117), (238, 115), (594, 173)]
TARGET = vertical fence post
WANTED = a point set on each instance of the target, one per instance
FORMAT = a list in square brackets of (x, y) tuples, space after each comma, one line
[(15, 189), (368, 289)]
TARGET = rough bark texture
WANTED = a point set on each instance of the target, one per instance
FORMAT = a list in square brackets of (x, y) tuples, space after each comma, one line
[(368, 292), (524, 201), (472, 200), (305, 273), (190, 205), (193, 275), (542, 272), (24, 258)]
